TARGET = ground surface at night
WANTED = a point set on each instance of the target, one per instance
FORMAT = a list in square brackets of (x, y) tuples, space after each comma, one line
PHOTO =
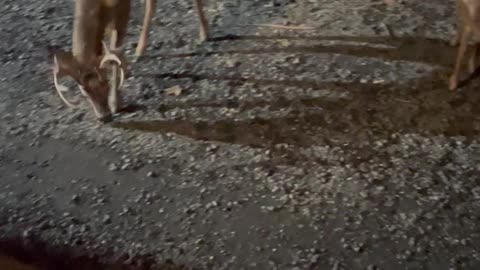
[(339, 148)]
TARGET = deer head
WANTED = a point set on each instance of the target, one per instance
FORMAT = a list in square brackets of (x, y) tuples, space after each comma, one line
[(92, 79)]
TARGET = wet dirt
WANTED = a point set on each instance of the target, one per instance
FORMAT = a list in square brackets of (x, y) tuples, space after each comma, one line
[(23, 254), (372, 111)]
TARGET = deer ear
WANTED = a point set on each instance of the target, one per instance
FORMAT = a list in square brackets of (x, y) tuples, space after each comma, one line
[(91, 80), (65, 64)]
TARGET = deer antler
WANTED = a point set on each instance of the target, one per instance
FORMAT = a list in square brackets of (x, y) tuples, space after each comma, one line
[(60, 87), (110, 56)]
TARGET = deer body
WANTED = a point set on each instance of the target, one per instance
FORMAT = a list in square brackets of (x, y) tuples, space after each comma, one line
[(468, 27), (87, 61)]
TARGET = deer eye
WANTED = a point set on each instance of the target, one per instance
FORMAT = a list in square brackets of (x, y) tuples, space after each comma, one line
[(89, 76), (91, 79)]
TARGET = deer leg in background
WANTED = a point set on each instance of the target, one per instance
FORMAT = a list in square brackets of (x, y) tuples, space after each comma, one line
[(465, 33), (203, 24), (472, 61), (147, 20)]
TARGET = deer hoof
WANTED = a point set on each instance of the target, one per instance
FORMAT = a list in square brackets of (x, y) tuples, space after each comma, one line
[(106, 119), (203, 36), (115, 103), (139, 51), (453, 83), (472, 66), (454, 40), (115, 108)]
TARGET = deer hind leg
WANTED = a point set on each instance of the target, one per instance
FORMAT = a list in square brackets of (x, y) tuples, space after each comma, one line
[(464, 35), (147, 21), (202, 20), (472, 61), (456, 37)]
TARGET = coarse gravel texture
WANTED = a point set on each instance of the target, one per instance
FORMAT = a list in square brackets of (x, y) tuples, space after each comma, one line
[(338, 148)]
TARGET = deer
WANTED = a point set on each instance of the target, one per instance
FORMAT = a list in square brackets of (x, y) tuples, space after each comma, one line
[(90, 58), (147, 20), (468, 27)]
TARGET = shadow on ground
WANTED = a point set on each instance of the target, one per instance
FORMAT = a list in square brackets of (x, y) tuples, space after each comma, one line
[(23, 254), (415, 49)]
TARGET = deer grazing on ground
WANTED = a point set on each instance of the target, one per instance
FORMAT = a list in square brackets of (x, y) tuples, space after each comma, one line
[(90, 59), (468, 26)]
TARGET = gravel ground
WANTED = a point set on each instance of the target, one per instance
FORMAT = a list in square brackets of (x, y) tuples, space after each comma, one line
[(338, 148)]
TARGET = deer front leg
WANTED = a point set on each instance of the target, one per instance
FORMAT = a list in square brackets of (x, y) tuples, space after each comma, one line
[(453, 83), (118, 35), (202, 20), (114, 99)]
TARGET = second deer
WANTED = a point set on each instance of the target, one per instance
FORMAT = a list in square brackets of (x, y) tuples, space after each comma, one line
[(468, 27)]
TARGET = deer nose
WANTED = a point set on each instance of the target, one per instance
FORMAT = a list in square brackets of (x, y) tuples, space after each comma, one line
[(106, 119)]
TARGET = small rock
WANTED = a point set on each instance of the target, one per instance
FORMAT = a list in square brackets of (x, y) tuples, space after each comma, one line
[(152, 174), (174, 90), (231, 63), (113, 167), (107, 219), (27, 233), (75, 199)]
